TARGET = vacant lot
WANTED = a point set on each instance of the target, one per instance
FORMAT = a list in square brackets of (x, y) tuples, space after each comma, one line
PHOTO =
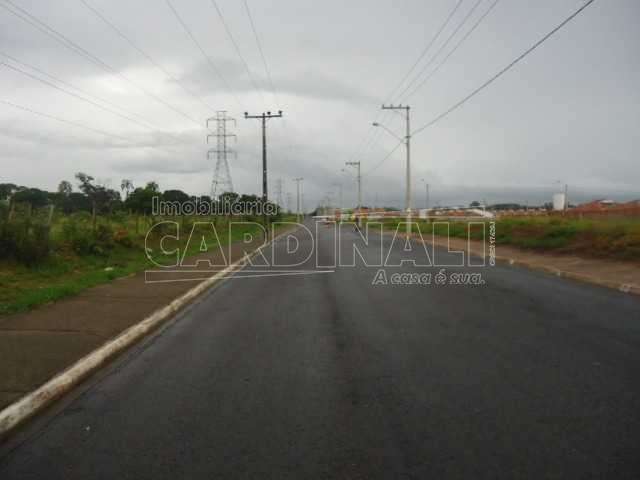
[(40, 264), (606, 238)]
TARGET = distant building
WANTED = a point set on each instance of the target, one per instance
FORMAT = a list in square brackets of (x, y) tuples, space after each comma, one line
[(595, 205), (559, 201)]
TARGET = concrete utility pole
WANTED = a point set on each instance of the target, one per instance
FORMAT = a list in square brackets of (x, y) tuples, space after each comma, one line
[(407, 139), (359, 177), (288, 197), (264, 117), (339, 185), (407, 142), (298, 180), (426, 197), (279, 192)]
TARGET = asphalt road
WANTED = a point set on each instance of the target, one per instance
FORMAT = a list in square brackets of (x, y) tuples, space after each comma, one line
[(324, 375)]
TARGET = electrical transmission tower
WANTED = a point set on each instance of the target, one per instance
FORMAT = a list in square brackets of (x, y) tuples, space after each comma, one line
[(288, 202), (279, 193), (299, 196), (221, 181)]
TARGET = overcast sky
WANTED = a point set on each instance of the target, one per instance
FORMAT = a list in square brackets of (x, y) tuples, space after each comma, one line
[(570, 111)]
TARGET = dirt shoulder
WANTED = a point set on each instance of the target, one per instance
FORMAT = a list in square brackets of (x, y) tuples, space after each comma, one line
[(621, 275)]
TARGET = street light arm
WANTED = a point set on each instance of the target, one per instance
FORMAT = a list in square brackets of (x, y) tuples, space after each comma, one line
[(376, 124)]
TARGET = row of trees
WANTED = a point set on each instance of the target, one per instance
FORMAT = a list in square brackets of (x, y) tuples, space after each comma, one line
[(90, 196), (99, 199)]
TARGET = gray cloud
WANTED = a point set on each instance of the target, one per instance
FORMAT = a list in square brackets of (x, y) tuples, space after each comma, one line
[(569, 112)]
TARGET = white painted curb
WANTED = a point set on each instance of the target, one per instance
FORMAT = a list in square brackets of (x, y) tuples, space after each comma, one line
[(630, 288), (35, 401)]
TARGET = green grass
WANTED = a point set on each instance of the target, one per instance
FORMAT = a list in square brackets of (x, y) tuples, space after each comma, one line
[(23, 288), (607, 238), (66, 273)]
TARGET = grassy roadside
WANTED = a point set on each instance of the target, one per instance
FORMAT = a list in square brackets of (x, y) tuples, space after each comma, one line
[(617, 239), (66, 272)]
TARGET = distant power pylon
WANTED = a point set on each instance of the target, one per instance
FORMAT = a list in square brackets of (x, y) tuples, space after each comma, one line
[(299, 196), (279, 192), (288, 202), (221, 181)]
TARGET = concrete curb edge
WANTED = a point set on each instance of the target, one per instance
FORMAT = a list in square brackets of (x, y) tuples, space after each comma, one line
[(35, 401), (630, 288)]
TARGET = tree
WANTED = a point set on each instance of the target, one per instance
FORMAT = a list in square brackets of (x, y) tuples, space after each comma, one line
[(228, 198), (107, 199), (141, 199), (7, 189), (126, 186), (175, 196), (76, 202), (474, 204), (65, 188), (250, 203), (89, 189), (86, 185), (102, 199), (153, 186), (33, 196)]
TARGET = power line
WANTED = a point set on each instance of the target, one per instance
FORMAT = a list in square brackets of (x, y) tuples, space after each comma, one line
[(237, 49), (504, 70), (66, 42), (80, 97), (63, 120), (264, 60), (79, 125), (368, 138), (76, 88), (426, 49), (133, 45), (442, 47), (453, 50), (202, 51), (379, 164)]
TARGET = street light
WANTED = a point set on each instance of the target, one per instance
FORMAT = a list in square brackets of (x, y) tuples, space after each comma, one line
[(339, 185), (376, 124), (356, 165), (426, 198), (407, 142)]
